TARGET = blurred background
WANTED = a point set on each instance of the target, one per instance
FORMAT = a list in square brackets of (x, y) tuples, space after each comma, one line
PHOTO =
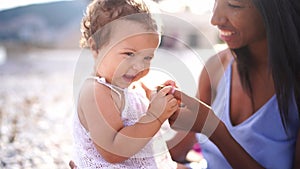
[(38, 55)]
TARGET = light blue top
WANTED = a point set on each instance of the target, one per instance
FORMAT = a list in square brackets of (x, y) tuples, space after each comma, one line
[(262, 135)]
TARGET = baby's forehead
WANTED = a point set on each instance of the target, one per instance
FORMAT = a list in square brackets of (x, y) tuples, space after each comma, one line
[(128, 28), (142, 43)]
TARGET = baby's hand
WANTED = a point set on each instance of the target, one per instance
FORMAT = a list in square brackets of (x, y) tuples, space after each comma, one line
[(167, 83), (170, 83), (163, 105), (174, 91)]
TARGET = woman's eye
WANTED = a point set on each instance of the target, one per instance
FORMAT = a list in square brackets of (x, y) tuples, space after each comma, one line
[(234, 6)]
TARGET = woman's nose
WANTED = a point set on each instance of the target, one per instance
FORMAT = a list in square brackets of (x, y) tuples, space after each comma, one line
[(219, 14)]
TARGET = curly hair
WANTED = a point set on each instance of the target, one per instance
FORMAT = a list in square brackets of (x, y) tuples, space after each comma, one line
[(101, 12)]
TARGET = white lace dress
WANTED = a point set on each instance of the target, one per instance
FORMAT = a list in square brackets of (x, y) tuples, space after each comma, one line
[(154, 155)]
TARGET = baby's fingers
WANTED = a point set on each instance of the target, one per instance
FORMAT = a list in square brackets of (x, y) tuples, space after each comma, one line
[(170, 83), (164, 91)]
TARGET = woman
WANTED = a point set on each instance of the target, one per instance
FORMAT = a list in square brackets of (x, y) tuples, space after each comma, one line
[(253, 88)]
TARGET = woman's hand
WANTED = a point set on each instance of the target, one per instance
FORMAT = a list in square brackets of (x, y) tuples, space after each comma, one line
[(195, 115)]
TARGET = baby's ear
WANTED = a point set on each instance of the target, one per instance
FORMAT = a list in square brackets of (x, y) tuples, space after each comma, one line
[(93, 47)]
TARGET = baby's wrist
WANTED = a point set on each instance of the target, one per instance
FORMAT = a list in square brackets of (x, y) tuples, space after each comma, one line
[(153, 115)]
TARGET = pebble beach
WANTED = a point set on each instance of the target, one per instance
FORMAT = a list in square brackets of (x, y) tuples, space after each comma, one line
[(36, 108)]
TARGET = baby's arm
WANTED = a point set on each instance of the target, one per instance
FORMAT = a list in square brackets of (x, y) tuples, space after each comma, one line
[(115, 142)]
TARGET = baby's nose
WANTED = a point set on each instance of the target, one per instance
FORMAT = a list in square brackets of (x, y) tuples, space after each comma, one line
[(138, 66)]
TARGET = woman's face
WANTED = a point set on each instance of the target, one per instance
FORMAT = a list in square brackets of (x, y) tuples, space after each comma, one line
[(239, 22)]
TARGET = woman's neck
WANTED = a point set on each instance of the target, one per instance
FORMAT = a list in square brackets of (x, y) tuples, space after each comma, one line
[(259, 56)]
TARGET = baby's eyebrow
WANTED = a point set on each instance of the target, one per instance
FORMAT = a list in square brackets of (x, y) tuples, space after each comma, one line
[(130, 49)]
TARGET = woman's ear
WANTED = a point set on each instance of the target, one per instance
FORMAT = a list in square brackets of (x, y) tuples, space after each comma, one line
[(93, 47)]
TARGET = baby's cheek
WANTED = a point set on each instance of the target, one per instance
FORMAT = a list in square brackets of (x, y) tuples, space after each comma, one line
[(141, 74)]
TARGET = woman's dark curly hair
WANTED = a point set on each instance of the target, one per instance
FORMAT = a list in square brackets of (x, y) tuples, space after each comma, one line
[(101, 12)]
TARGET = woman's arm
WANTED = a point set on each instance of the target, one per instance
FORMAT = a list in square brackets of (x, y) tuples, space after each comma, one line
[(180, 145), (208, 80), (234, 153), (198, 117)]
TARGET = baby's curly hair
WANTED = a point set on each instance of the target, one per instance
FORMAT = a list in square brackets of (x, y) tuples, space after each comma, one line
[(101, 12)]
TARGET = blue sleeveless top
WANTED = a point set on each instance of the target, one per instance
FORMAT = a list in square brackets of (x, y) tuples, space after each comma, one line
[(262, 135)]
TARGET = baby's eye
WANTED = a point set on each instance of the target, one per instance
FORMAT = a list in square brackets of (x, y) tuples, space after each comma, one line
[(148, 58), (131, 54)]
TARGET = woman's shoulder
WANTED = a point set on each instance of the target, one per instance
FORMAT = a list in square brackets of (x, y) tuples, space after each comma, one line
[(211, 74), (217, 64), (220, 60)]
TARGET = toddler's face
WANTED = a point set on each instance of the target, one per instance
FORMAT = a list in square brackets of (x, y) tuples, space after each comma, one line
[(129, 59)]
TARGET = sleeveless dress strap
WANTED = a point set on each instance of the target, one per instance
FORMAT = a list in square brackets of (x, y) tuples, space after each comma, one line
[(102, 80)]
